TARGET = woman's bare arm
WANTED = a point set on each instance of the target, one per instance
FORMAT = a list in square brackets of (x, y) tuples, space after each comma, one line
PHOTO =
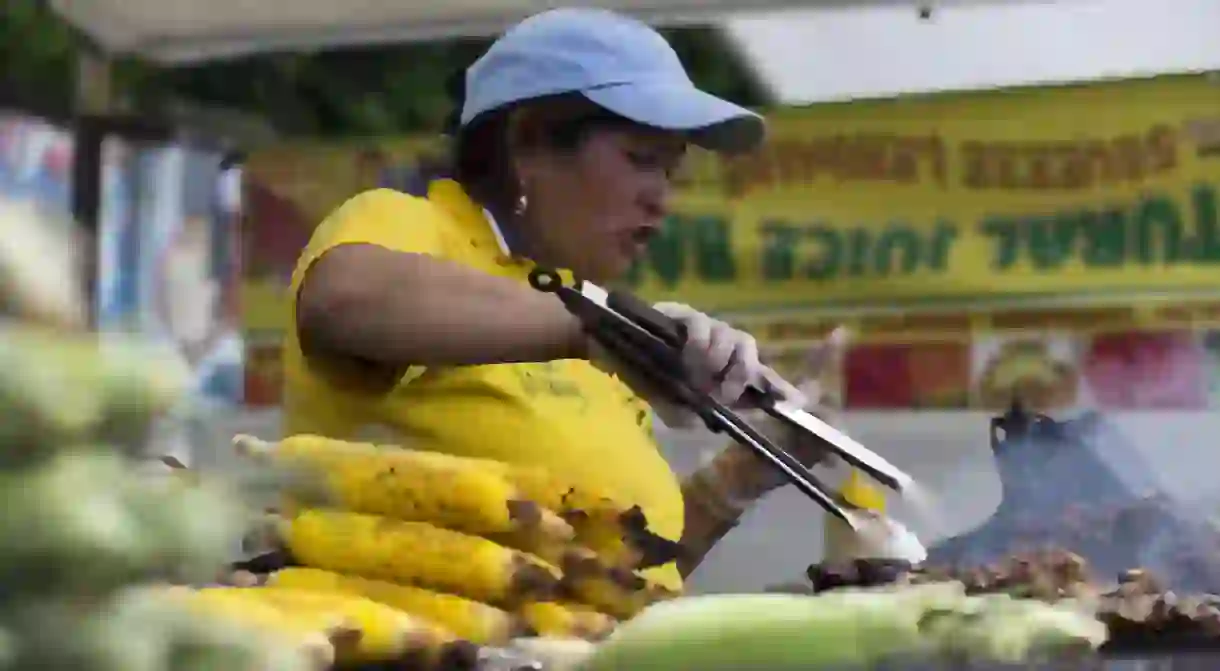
[(708, 518), (369, 304), (704, 529)]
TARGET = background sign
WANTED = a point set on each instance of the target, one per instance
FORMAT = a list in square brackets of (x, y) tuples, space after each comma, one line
[(962, 237), (1100, 189)]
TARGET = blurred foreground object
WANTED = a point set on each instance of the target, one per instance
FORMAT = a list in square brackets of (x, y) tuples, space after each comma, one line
[(848, 629), (84, 535), (40, 273)]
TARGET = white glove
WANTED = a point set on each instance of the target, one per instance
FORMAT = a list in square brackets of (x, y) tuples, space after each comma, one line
[(720, 360), (797, 442)]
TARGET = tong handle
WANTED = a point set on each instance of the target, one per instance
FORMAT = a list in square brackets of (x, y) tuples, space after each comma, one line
[(673, 334), (650, 319), (651, 341)]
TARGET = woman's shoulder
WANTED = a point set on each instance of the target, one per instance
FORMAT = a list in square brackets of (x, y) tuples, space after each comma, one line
[(389, 218), (392, 205)]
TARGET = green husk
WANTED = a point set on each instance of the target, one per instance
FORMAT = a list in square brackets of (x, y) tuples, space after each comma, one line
[(82, 531), (60, 389), (841, 630)]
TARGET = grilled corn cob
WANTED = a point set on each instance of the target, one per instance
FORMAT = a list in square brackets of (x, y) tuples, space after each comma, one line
[(539, 484), (450, 492), (617, 532), (317, 636), (417, 554), (477, 622), (621, 595), (568, 556), (386, 633), (565, 620), (604, 531)]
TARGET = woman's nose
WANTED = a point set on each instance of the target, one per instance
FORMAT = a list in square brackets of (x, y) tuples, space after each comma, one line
[(654, 199)]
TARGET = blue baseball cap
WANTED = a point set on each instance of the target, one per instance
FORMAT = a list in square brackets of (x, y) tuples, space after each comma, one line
[(616, 62)]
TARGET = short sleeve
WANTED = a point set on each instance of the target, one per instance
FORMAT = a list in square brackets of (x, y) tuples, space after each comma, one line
[(391, 219)]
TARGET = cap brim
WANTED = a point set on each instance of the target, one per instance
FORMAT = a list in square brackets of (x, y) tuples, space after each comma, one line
[(712, 123)]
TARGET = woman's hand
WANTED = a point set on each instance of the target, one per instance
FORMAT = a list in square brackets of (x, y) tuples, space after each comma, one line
[(720, 492), (720, 360), (745, 475)]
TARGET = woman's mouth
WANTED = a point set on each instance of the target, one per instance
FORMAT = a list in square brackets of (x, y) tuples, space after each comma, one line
[(636, 241)]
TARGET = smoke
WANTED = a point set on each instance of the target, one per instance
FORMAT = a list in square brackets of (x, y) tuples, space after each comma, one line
[(1080, 486)]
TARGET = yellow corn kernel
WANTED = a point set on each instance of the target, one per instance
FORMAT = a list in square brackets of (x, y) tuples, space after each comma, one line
[(415, 553), (471, 620)]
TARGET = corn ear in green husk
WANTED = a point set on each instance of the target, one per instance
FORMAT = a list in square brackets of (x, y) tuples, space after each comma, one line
[(80, 526), (58, 389), (1001, 629), (764, 631), (841, 630), (84, 521)]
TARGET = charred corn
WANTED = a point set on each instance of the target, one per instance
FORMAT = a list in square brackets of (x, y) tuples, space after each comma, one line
[(564, 620), (602, 532), (386, 633), (450, 492), (554, 493), (569, 557), (306, 631), (621, 595), (416, 553), (471, 620), (617, 532)]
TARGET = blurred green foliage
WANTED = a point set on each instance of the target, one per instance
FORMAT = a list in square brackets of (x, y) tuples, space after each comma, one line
[(35, 49), (348, 92)]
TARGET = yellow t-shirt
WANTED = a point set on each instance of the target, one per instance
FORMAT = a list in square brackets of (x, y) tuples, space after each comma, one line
[(566, 415)]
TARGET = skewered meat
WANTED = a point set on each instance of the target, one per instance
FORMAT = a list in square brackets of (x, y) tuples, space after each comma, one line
[(1080, 484)]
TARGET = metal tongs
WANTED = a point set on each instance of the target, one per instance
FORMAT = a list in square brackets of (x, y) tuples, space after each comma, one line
[(651, 343)]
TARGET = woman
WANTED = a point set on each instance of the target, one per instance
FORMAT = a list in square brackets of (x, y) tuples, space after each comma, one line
[(413, 312)]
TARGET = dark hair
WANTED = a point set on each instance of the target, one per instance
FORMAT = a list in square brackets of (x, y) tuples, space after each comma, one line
[(480, 155)]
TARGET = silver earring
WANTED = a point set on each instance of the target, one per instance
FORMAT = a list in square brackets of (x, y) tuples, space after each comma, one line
[(523, 204)]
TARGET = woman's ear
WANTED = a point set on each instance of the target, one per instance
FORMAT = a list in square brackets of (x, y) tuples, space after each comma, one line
[(525, 167)]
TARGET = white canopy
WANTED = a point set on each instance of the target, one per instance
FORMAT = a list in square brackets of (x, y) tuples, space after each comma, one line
[(823, 50), (807, 57), (184, 31)]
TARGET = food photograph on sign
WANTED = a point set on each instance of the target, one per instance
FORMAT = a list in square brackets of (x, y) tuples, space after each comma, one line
[(1039, 371)]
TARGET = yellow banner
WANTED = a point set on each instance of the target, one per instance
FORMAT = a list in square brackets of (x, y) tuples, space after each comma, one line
[(1106, 188), (933, 227), (1099, 189)]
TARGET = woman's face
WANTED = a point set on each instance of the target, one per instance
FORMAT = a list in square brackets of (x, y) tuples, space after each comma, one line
[(593, 209)]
